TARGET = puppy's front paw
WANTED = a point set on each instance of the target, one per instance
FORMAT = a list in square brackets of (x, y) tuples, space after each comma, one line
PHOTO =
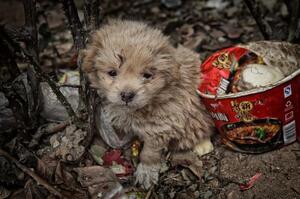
[(146, 175), (204, 147)]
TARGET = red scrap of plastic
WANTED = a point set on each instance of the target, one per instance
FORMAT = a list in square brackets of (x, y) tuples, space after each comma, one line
[(115, 156), (128, 170), (251, 182), (73, 60), (112, 156), (211, 75)]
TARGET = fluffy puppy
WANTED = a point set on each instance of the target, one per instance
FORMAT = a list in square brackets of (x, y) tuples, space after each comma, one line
[(148, 87)]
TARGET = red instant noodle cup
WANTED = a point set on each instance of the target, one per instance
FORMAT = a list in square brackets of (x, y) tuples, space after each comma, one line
[(253, 119)]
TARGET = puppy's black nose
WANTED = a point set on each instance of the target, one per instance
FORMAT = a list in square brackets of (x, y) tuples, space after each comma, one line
[(127, 96)]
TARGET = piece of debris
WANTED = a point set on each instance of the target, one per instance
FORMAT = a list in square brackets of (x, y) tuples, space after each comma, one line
[(171, 3), (117, 163), (97, 152), (101, 182), (250, 183), (4, 193), (52, 109), (189, 160), (67, 144)]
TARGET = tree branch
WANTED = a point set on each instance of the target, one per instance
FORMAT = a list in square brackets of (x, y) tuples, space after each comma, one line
[(30, 26), (41, 74), (294, 14), (87, 95), (257, 14), (78, 33), (18, 33), (7, 58), (37, 178), (79, 37), (92, 14)]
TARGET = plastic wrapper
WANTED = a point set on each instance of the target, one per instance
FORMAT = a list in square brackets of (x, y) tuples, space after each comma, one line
[(100, 182), (111, 137), (7, 119), (252, 91), (52, 109), (20, 95)]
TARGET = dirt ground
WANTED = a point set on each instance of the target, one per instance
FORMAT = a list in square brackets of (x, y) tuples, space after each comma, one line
[(204, 26)]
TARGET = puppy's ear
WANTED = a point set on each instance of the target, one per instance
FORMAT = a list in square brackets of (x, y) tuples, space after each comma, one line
[(173, 65), (87, 56)]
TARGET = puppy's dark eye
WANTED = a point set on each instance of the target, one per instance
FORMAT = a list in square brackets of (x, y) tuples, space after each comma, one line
[(112, 73), (147, 75)]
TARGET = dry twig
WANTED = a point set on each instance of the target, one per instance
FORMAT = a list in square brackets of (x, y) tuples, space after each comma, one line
[(257, 14), (75, 25), (79, 37), (294, 26), (87, 96), (92, 14), (29, 172), (30, 26), (42, 75)]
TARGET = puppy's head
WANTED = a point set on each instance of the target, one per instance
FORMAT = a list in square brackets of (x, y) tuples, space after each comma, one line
[(129, 63)]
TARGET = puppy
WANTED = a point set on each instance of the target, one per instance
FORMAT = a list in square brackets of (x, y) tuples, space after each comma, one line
[(148, 87)]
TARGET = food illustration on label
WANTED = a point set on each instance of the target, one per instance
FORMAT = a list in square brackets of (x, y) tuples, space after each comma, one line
[(243, 110), (225, 61), (257, 132)]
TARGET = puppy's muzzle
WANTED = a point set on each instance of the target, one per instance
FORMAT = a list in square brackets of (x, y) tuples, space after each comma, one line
[(127, 96)]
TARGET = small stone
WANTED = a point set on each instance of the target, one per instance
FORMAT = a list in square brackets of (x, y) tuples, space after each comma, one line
[(193, 187), (197, 194), (284, 11), (217, 33), (207, 194), (214, 183), (69, 157), (222, 39), (233, 195), (64, 48), (270, 4), (171, 3), (55, 144), (155, 10), (213, 169), (232, 30), (172, 194), (231, 11), (218, 4)]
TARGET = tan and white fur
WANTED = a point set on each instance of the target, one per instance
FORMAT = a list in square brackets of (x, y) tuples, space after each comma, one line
[(148, 87)]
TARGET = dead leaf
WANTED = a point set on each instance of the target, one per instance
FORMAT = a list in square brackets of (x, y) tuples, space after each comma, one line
[(100, 181), (19, 194), (97, 151), (189, 160), (4, 193), (46, 167), (67, 145), (232, 32), (63, 176), (34, 191)]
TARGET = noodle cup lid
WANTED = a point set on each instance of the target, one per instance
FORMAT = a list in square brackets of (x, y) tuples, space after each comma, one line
[(216, 69)]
